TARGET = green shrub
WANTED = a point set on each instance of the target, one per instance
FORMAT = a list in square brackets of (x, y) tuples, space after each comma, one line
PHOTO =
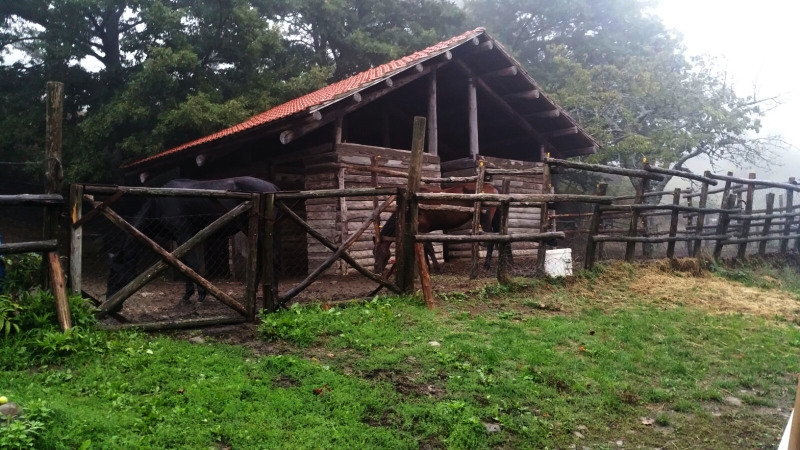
[(22, 273), (25, 430)]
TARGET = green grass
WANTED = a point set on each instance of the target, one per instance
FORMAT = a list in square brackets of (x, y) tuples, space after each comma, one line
[(367, 376)]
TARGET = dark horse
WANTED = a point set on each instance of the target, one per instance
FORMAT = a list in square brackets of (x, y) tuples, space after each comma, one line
[(178, 219), (430, 220)]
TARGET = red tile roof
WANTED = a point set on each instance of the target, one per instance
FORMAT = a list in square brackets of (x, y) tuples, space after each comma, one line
[(325, 95)]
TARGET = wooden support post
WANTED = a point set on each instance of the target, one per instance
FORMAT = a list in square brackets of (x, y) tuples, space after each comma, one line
[(762, 246), (476, 222), (701, 217), (75, 239), (269, 281), (433, 131), (411, 227), (794, 426), (53, 171), (59, 291), (729, 202), (546, 189), (504, 247), (673, 224), (787, 229), (594, 228), (251, 268), (630, 249), (424, 275), (400, 255), (472, 107), (748, 209), (690, 245)]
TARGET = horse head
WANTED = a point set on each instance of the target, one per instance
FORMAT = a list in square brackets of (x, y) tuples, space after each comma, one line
[(121, 270), (381, 252)]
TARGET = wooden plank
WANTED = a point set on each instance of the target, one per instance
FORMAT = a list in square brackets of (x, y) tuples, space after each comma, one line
[(682, 174), (724, 222), (527, 198), (163, 192), (748, 208), (181, 324), (334, 193), (57, 282), (513, 237), (701, 217)]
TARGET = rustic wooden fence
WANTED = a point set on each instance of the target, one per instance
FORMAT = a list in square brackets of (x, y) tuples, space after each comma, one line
[(48, 247)]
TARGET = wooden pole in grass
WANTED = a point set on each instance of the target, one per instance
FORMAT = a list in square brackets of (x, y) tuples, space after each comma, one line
[(673, 224), (476, 221), (424, 275), (594, 228), (541, 254), (75, 238), (748, 209), (504, 247), (53, 171), (411, 226), (251, 279), (59, 291), (762, 246)]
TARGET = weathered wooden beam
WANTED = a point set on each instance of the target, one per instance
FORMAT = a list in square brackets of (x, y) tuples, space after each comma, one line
[(75, 239), (479, 48), (560, 133), (633, 228), (582, 151), (472, 108), (729, 201), (505, 107), (180, 324), (537, 198), (95, 211), (504, 72), (169, 258), (433, 121), (424, 275), (476, 221), (682, 174), (450, 208), (534, 171), (789, 207), (604, 169), (548, 114), (335, 193), (410, 226), (773, 237), (765, 230), (594, 228), (336, 255), (748, 209), (514, 237), (673, 224), (748, 181), (31, 200), (59, 288), (251, 266), (525, 95), (656, 239), (28, 247), (163, 192), (701, 216), (640, 207)]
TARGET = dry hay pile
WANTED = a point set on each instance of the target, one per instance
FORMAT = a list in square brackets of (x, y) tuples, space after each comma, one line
[(685, 283)]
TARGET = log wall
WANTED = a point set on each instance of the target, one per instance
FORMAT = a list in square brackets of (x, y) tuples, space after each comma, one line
[(330, 216), (521, 219)]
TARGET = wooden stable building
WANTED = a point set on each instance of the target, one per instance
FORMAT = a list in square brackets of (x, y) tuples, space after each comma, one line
[(480, 104)]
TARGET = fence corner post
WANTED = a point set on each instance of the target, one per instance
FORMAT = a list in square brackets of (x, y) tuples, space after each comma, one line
[(594, 228), (504, 247), (269, 280), (673, 224), (75, 238), (251, 274)]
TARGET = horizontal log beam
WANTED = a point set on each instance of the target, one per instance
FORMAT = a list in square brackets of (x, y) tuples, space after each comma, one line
[(479, 48), (666, 208), (536, 171), (582, 151), (449, 179), (657, 239), (538, 198), (526, 95), (30, 247), (549, 114), (504, 72), (560, 133), (334, 193), (680, 173), (604, 169), (763, 216), (31, 200), (648, 194), (747, 181), (451, 208), (177, 324), (516, 237), (772, 237), (164, 192)]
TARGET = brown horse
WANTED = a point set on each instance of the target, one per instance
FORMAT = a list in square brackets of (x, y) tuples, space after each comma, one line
[(430, 220)]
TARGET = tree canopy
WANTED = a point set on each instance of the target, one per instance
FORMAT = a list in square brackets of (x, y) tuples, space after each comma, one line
[(146, 75)]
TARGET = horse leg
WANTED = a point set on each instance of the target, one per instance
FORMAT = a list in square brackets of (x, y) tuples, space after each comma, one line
[(431, 253), (489, 250), (192, 262)]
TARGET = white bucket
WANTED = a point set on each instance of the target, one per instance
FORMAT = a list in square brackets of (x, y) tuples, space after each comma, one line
[(558, 262)]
